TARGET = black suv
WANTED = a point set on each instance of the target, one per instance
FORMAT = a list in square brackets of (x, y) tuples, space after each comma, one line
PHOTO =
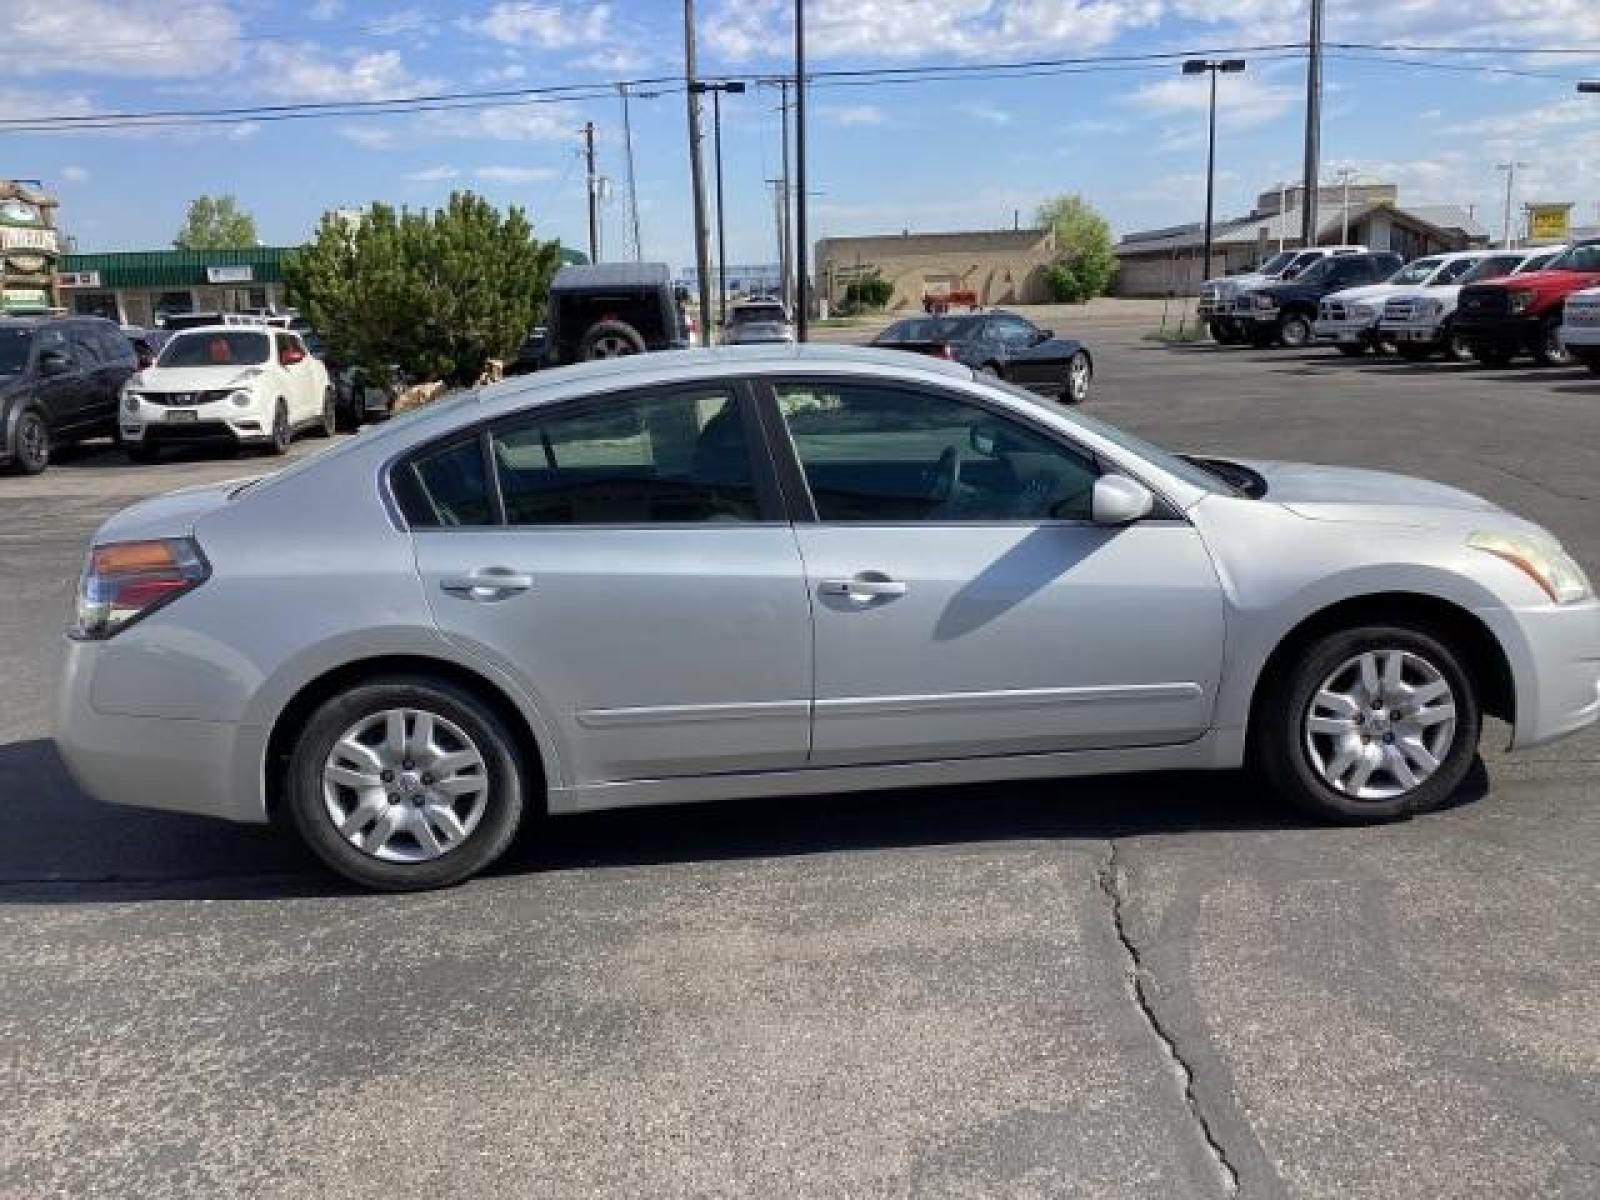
[(60, 380), (1283, 314), (612, 309)]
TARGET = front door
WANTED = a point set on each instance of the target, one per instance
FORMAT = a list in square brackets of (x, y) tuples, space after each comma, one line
[(966, 605), (627, 564)]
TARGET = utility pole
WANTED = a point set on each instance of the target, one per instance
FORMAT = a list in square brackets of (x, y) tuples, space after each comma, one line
[(702, 249), (785, 241), (1308, 211), (594, 192), (1283, 217), (736, 87), (633, 186), (1212, 67), (803, 261), (779, 222), (1344, 176), (1510, 168)]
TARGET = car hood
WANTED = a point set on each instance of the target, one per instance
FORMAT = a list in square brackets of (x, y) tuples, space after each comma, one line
[(1368, 291), (172, 514), (1234, 283), (194, 379), (1353, 494)]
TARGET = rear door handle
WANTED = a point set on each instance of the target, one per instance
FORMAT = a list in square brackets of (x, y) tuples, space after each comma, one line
[(867, 584), (487, 583)]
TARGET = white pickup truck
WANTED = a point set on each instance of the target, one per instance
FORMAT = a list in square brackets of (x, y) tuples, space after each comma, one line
[(1349, 320), (1221, 307), (1580, 327), (1419, 321)]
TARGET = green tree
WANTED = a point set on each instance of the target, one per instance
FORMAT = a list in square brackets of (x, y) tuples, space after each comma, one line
[(1085, 261), (870, 291), (436, 293), (216, 223)]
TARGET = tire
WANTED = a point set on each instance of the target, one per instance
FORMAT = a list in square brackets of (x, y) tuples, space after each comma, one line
[(1294, 330), (1352, 351), (1299, 759), (329, 423), (1414, 351), (282, 431), (142, 452), (1080, 375), (412, 851), (610, 339), (1490, 356), (30, 451), (1456, 348), (1263, 339), (1548, 350), (1224, 333)]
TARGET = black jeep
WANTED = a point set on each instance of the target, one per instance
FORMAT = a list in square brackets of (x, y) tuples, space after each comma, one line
[(612, 309)]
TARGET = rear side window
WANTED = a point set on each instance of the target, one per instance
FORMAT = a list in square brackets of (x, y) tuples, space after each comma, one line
[(445, 486), (635, 460)]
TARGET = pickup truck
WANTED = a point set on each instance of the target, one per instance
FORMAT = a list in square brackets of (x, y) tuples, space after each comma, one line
[(1283, 314), (1349, 320), (1421, 323), (1580, 329), (1522, 314), (1224, 305)]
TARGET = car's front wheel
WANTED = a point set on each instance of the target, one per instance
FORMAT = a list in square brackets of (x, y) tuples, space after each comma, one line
[(30, 452), (1294, 330), (1370, 724), (405, 783), (1548, 348), (1080, 374)]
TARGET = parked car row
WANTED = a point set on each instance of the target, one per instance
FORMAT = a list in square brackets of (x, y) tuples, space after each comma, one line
[(1485, 305)]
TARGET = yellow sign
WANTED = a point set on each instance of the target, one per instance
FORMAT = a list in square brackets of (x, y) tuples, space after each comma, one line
[(1549, 222)]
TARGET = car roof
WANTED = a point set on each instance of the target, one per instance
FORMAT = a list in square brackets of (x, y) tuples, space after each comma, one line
[(601, 275), (178, 333)]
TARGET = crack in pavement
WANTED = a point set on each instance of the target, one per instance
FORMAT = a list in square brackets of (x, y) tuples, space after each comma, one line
[(1111, 883)]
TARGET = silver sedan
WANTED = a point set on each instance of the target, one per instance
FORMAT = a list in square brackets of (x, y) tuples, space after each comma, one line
[(779, 570)]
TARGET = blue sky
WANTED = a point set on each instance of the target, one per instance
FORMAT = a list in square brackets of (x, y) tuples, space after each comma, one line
[(953, 155)]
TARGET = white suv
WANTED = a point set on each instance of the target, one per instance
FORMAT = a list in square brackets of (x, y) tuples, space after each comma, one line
[(238, 384), (1420, 322), (1580, 329)]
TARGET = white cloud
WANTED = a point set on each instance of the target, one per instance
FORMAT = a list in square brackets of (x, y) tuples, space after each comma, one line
[(1242, 102), (497, 174), (404, 20), (75, 174), (369, 137), (325, 10), (307, 72), (550, 26), (243, 130), (982, 110), (505, 123), (509, 73), (854, 114), (617, 60), (437, 174), (117, 37), (21, 104)]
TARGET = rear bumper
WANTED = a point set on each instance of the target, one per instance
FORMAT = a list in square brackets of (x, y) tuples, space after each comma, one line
[(1554, 651), (207, 768)]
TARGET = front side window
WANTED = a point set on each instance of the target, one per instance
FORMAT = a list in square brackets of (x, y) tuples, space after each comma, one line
[(1012, 331), (636, 460), (14, 347), (215, 348), (1416, 272), (875, 453), (1579, 258)]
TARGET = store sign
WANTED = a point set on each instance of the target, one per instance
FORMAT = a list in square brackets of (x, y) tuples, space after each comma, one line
[(28, 300), (1549, 222), (17, 238), (79, 279), (244, 274)]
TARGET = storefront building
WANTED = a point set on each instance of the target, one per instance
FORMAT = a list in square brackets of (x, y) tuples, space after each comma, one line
[(140, 287)]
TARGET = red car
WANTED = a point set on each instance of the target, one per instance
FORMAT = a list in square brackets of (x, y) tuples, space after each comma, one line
[(1521, 314)]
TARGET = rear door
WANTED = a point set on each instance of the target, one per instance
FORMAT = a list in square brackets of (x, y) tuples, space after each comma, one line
[(626, 559)]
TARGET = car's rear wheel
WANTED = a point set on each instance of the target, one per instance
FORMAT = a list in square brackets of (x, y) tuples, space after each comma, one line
[(610, 339), (1294, 330), (1548, 348), (1370, 724), (30, 452), (1080, 374), (405, 783)]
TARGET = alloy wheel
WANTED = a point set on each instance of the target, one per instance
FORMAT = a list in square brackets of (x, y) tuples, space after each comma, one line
[(1380, 724), (610, 346), (1295, 332), (33, 443), (1078, 373), (405, 785)]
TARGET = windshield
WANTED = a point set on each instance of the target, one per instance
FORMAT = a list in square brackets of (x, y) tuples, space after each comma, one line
[(1316, 272), (1190, 473), (1579, 258), (216, 348), (1490, 268), (14, 345), (747, 314), (1417, 272), (1540, 263), (1277, 262), (1453, 272)]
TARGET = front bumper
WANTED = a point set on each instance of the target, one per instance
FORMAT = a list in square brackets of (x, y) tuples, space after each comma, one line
[(1511, 333), (1362, 332), (1554, 652), (1427, 333), (1581, 337), (208, 768)]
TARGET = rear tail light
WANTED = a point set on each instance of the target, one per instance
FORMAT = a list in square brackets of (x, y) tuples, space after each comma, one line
[(124, 581)]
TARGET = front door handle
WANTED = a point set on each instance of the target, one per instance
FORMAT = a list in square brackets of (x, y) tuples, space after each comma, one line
[(487, 583), (867, 585)]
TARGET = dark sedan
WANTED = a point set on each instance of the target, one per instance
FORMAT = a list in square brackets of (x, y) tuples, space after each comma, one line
[(1001, 344)]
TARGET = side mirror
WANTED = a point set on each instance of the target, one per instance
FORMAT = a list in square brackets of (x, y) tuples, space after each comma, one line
[(1118, 500), (54, 362)]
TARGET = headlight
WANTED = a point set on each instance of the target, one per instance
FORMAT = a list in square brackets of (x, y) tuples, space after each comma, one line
[(1541, 559), (1264, 301), (242, 398), (1520, 301)]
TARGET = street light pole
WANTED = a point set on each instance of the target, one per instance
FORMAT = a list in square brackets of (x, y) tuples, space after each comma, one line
[(1313, 162), (803, 251), (735, 87), (1510, 168), (1211, 67), (697, 180)]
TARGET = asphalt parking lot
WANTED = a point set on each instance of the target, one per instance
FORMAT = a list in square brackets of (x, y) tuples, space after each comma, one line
[(1163, 986)]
